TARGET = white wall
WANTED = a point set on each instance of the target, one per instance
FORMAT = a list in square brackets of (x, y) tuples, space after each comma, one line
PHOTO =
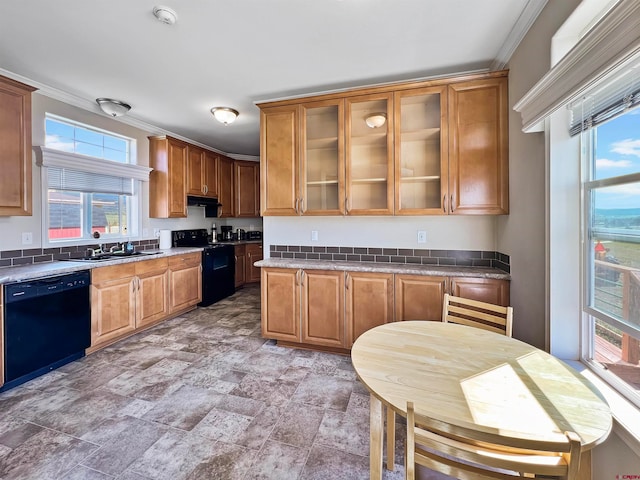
[(11, 228), (521, 234), (447, 232)]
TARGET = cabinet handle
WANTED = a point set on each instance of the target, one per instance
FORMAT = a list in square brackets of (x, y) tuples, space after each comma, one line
[(347, 277), (297, 201), (302, 277), (452, 205), (347, 204), (302, 205), (444, 203), (297, 277)]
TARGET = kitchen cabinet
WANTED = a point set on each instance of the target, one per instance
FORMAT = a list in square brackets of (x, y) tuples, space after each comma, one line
[(280, 304), (241, 267), (253, 254), (279, 169), (303, 306), (185, 282), (247, 189), (369, 162), (322, 158), (421, 151), (420, 297), (15, 148), (202, 172), (369, 302), (127, 297), (479, 147), (225, 187), (442, 150), (322, 308), (113, 303), (167, 180), (482, 289)]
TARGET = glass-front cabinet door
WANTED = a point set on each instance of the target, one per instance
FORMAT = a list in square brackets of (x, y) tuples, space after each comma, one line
[(322, 160), (421, 159), (369, 160)]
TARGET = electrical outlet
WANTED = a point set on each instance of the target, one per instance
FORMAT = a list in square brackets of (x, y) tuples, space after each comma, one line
[(422, 236), (314, 235), (252, 228), (27, 238), (156, 233)]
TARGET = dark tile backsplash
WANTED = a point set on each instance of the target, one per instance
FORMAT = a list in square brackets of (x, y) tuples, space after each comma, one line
[(418, 256), (14, 258)]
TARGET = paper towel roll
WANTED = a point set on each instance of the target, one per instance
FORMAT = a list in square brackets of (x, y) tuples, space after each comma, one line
[(165, 239)]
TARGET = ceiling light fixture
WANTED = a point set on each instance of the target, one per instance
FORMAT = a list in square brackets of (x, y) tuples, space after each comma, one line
[(225, 115), (375, 120), (114, 108), (165, 14)]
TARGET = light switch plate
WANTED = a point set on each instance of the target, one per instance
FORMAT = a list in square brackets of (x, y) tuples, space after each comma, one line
[(314, 235)]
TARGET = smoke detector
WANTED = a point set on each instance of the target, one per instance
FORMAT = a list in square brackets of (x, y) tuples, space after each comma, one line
[(165, 14)]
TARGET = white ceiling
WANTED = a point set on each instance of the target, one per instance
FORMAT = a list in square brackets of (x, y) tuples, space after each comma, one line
[(237, 52)]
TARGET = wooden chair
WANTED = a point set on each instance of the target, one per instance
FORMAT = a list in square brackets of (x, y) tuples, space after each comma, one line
[(469, 454), (477, 314)]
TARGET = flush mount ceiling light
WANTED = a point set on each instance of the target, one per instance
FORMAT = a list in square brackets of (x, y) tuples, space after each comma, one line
[(114, 108), (165, 14), (225, 115), (376, 120)]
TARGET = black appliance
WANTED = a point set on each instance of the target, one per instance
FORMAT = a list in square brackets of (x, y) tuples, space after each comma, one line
[(227, 233), (47, 323), (210, 205), (254, 235), (218, 264)]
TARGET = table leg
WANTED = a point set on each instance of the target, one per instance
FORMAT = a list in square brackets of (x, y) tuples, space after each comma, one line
[(391, 438), (376, 428), (584, 473)]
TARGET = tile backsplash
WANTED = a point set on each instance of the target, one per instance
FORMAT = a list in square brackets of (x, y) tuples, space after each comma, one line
[(462, 258), (14, 258)]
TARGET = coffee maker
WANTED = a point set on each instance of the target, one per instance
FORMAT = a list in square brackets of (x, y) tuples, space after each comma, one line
[(227, 232)]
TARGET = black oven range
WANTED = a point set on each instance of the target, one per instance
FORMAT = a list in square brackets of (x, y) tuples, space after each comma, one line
[(218, 264)]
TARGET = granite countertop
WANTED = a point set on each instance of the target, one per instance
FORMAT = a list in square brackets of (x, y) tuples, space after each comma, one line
[(60, 267), (410, 269)]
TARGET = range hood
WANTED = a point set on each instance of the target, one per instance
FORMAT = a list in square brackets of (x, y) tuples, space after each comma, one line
[(210, 205)]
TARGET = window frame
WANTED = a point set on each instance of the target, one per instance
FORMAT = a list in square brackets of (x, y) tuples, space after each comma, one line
[(587, 275)]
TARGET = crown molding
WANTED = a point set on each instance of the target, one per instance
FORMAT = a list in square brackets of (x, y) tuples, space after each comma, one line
[(610, 45), (128, 119), (529, 14)]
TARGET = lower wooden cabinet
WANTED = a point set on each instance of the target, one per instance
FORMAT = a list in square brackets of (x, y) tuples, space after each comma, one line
[(185, 281), (322, 308), (253, 254), (419, 297), (241, 268), (329, 308), (280, 304), (369, 302), (113, 302), (134, 295), (1, 337)]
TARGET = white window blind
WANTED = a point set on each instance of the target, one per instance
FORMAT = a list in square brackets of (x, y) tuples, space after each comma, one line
[(79, 181), (615, 95)]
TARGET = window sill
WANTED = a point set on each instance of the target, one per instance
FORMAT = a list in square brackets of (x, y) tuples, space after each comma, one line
[(626, 416)]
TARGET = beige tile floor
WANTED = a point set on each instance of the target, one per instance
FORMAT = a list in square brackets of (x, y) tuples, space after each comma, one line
[(201, 396)]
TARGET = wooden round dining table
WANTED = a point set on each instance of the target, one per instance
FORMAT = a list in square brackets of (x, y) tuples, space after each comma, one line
[(470, 377)]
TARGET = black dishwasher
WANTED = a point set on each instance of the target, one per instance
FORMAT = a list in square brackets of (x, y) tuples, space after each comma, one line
[(47, 323)]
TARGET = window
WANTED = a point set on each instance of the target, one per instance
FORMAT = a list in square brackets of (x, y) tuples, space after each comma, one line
[(89, 183), (612, 254)]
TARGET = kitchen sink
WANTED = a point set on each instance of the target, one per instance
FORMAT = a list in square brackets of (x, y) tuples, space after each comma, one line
[(108, 256)]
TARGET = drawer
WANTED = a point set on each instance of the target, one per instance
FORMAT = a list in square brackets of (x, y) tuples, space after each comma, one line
[(105, 274), (147, 266), (186, 260)]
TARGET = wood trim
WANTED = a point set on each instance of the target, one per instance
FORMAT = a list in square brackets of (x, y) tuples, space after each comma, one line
[(611, 43), (386, 88)]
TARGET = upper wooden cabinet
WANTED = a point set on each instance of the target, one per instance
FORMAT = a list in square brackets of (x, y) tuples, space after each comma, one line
[(479, 147), (225, 187), (279, 187), (202, 172), (421, 164), (167, 181), (15, 148), (246, 189), (443, 149)]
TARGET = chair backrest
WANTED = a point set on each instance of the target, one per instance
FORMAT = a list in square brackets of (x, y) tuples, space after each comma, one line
[(470, 454), (477, 314)]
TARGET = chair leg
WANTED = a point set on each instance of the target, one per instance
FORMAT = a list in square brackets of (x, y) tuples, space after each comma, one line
[(391, 438)]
